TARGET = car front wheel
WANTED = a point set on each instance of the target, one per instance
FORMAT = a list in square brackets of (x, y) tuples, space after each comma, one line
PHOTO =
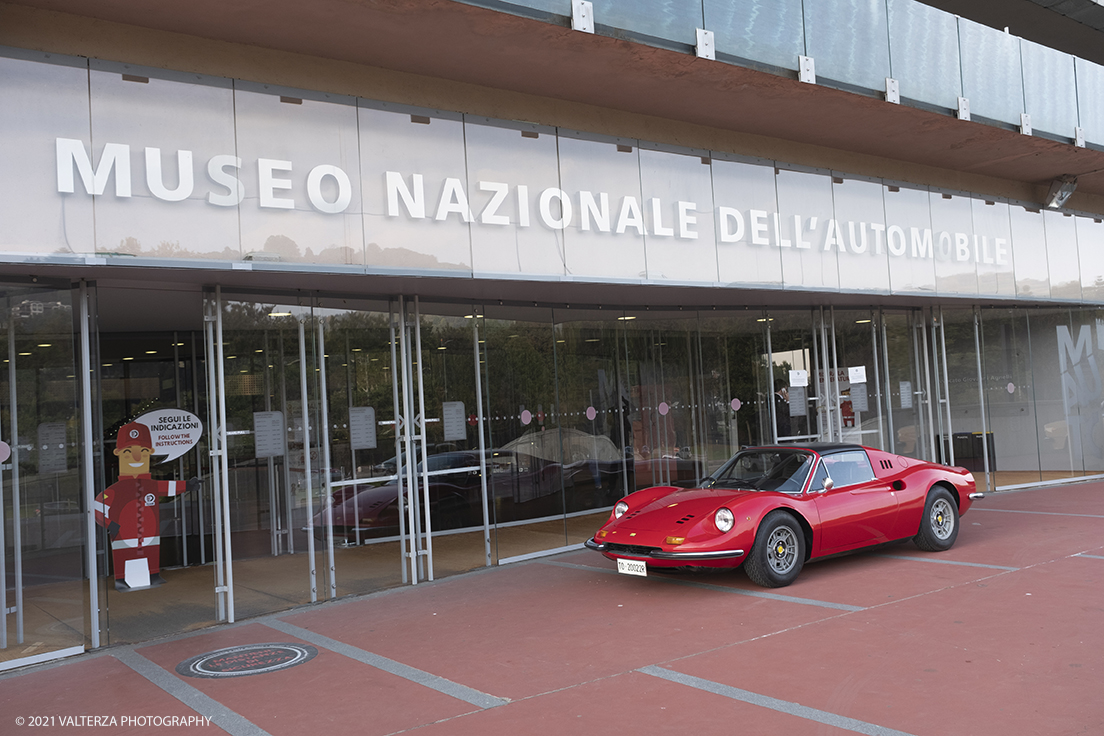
[(778, 553), (939, 525)]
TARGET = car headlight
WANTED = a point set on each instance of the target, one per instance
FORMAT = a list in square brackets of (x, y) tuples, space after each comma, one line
[(620, 509), (724, 519)]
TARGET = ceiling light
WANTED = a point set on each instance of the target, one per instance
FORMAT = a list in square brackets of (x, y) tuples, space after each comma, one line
[(1060, 190)]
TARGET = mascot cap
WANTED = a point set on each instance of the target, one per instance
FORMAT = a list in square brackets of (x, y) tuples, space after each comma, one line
[(134, 434)]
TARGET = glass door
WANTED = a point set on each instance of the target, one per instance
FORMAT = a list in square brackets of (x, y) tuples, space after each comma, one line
[(42, 528)]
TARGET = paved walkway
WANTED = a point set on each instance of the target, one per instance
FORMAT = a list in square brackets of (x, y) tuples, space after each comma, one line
[(1003, 634)]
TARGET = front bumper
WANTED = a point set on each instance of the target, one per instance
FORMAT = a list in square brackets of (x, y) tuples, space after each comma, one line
[(661, 555)]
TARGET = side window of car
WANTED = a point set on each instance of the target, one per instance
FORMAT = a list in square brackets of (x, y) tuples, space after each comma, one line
[(849, 468)]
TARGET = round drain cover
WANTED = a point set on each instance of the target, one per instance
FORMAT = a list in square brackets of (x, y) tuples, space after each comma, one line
[(249, 659)]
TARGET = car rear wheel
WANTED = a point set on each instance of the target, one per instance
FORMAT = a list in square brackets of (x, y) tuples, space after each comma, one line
[(939, 525), (778, 553)]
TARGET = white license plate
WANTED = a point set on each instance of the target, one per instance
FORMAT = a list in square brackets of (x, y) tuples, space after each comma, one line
[(632, 567)]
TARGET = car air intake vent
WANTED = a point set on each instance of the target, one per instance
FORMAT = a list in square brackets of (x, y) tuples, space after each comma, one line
[(886, 464), (630, 549), (629, 516), (685, 519)]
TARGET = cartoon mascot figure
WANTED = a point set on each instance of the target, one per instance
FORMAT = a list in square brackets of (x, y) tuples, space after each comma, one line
[(129, 510)]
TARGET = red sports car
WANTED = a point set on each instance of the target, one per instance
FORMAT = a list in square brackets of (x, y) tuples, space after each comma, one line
[(772, 509)]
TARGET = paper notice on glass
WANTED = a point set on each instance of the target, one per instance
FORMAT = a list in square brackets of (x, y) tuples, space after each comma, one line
[(906, 394), (856, 374), (362, 427), (51, 448), (454, 421), (799, 378), (797, 401), (268, 433), (858, 397)]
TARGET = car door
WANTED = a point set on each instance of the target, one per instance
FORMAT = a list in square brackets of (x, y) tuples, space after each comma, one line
[(859, 509)]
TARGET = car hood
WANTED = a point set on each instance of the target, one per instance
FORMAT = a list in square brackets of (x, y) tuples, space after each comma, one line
[(680, 508)]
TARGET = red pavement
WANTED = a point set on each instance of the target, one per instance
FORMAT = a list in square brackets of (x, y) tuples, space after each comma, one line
[(1001, 635)]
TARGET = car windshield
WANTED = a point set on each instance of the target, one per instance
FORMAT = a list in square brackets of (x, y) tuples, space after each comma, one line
[(766, 470)]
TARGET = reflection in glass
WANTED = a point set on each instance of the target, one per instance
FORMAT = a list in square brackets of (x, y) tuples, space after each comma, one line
[(39, 103), (415, 217), (992, 78), (299, 167), (1050, 92), (1029, 252), (925, 58), (860, 56), (608, 244), (44, 530), (952, 241), (863, 259), (677, 192), (1061, 250), (745, 201), (907, 211), (173, 129), (805, 209), (673, 20), (768, 31), (509, 169)]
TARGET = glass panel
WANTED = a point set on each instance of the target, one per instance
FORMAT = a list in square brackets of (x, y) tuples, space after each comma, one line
[(309, 213), (952, 237), (1083, 387), (502, 163), (924, 48), (447, 384), (906, 421), (747, 251), (609, 245), (859, 56), (560, 7), (1050, 89), (860, 377), (593, 409), (1090, 249), (795, 354), (908, 220), (151, 349), (1090, 103), (992, 247), (804, 210), (1066, 390), (39, 104), (41, 500), (863, 260), (661, 359), (675, 20), (770, 32), (171, 129), (1061, 249), (527, 459), (991, 76), (364, 495), (736, 384), (273, 498), (415, 218), (1010, 396), (962, 374), (678, 196), (1029, 251)]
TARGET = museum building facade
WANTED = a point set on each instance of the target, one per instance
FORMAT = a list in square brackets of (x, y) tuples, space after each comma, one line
[(285, 279)]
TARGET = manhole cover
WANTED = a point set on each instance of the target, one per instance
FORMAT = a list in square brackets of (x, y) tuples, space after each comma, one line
[(250, 659)]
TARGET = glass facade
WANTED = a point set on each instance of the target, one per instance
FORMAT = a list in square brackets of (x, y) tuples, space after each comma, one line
[(194, 172), (360, 437)]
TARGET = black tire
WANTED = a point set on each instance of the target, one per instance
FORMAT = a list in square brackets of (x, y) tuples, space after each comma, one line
[(939, 525), (778, 554)]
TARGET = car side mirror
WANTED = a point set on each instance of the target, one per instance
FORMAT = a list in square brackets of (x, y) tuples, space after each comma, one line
[(828, 485)]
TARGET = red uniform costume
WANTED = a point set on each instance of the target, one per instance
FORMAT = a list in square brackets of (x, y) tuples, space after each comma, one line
[(129, 508)]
